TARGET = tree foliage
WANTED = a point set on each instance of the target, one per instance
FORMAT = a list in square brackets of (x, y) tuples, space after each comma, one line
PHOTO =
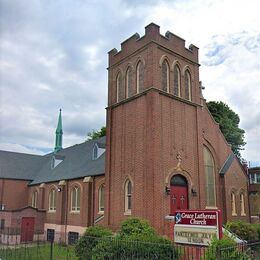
[(229, 125), (97, 134)]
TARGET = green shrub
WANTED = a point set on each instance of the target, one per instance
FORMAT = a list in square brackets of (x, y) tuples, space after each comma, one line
[(225, 249), (134, 227), (244, 230), (135, 240), (89, 240), (257, 229)]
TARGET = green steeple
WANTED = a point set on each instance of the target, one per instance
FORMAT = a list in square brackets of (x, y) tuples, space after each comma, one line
[(59, 132)]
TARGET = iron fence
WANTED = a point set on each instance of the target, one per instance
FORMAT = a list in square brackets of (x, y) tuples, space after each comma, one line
[(52, 246)]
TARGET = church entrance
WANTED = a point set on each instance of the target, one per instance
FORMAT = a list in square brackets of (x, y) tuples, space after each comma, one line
[(178, 193)]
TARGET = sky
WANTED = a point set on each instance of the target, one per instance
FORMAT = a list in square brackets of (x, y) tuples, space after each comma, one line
[(53, 54)]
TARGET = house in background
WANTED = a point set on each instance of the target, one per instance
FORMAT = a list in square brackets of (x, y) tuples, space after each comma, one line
[(254, 193), (163, 152)]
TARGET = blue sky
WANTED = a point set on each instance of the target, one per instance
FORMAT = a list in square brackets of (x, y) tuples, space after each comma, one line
[(53, 54)]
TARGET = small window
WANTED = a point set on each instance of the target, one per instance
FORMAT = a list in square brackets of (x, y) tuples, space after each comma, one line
[(101, 198), (95, 152), (140, 77), (119, 89), (73, 237), (75, 199), (34, 199), (165, 76), (129, 83), (187, 80), (177, 81), (242, 204), (50, 234), (128, 196), (233, 204), (2, 225), (52, 200)]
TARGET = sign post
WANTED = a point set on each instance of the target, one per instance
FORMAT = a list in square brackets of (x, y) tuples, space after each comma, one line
[(197, 227)]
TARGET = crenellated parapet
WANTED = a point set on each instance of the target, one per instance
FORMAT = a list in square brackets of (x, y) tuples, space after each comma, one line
[(169, 41)]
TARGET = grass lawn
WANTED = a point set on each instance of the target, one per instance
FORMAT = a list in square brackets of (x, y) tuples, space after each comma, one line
[(37, 252)]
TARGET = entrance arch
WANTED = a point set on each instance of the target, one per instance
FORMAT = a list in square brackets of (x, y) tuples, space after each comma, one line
[(178, 193)]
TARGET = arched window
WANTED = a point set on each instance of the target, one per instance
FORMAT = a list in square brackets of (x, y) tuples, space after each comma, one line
[(140, 77), (119, 89), (209, 178), (52, 200), (165, 76), (75, 199), (129, 82), (187, 81), (128, 196), (177, 81), (233, 204), (34, 199), (242, 204), (101, 198)]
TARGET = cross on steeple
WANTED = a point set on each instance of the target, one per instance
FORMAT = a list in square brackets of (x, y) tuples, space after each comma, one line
[(59, 133)]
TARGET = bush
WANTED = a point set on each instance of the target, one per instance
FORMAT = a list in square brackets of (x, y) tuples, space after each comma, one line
[(136, 239), (225, 249), (89, 240), (133, 227), (243, 230), (257, 229)]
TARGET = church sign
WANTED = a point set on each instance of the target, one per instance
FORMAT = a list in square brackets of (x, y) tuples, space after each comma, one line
[(197, 227)]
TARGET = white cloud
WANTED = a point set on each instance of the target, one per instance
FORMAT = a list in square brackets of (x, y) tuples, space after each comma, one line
[(54, 55)]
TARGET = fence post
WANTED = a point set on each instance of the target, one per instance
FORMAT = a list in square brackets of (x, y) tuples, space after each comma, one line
[(218, 253), (51, 251)]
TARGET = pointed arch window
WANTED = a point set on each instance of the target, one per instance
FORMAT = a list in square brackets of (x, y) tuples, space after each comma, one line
[(233, 204), (140, 77), (242, 204), (119, 89), (177, 81), (129, 82), (128, 197), (34, 199), (165, 76), (187, 80), (52, 200), (101, 198), (75, 199), (209, 169)]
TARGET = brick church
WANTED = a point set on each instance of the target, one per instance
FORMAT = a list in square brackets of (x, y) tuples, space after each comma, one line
[(162, 151)]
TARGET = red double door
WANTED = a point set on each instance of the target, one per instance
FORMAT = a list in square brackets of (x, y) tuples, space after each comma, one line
[(27, 229), (178, 198)]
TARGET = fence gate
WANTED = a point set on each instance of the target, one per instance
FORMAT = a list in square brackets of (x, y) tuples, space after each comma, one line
[(27, 229)]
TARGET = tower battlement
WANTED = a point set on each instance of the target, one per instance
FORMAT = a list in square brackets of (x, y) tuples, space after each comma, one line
[(152, 34)]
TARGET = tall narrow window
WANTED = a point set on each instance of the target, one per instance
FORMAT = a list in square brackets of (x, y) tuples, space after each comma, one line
[(34, 199), (233, 204), (128, 196), (101, 198), (187, 80), (75, 199), (165, 76), (129, 83), (209, 178), (177, 81), (119, 89), (242, 204), (52, 200), (139, 77)]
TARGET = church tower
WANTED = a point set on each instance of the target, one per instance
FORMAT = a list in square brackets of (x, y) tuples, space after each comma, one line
[(59, 133), (164, 151)]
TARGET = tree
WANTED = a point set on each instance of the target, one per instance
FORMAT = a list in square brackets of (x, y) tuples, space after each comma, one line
[(97, 134), (228, 122)]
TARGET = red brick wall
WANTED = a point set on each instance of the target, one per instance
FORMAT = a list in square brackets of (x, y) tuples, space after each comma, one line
[(14, 193)]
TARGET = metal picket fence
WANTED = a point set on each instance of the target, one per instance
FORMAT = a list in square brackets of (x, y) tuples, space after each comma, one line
[(62, 247)]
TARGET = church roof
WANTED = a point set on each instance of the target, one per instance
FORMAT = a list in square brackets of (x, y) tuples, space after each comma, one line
[(74, 162)]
